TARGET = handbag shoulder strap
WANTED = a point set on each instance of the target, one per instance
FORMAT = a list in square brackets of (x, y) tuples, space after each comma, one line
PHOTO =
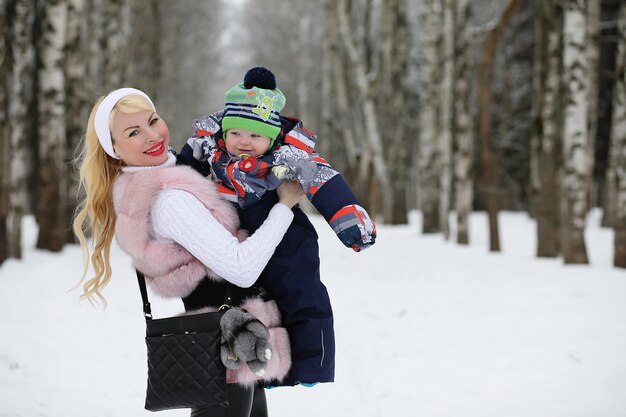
[(147, 311), (230, 295)]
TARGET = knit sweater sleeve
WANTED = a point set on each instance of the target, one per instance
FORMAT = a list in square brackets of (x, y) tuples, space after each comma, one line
[(179, 216)]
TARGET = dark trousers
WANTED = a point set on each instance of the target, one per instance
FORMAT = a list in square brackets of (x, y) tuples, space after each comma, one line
[(242, 402)]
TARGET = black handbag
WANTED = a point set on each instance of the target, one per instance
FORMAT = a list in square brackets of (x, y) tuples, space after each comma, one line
[(184, 365)]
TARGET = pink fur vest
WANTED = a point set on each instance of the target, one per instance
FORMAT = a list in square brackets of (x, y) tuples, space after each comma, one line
[(170, 270)]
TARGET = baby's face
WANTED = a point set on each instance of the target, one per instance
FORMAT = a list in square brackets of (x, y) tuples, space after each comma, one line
[(242, 141)]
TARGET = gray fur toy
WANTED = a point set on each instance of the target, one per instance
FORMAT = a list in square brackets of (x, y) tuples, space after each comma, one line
[(244, 339)]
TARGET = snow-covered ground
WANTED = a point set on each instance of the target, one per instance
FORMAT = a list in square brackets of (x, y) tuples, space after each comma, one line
[(424, 328)]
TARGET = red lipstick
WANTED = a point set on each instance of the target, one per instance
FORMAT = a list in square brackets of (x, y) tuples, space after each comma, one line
[(155, 150)]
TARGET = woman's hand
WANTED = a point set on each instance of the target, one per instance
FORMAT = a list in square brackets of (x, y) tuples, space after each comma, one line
[(289, 193)]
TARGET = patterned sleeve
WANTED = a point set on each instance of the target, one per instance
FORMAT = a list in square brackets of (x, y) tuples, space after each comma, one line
[(327, 190), (305, 165), (200, 147)]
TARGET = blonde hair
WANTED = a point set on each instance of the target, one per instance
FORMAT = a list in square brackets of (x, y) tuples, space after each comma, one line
[(95, 214)]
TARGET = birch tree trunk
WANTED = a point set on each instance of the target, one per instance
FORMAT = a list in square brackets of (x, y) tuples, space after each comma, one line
[(611, 11), (113, 40), (52, 176), (485, 132), (18, 111), (77, 105), (339, 82), (4, 132), (326, 108), (144, 51), (429, 165), (463, 126), (548, 219), (485, 100), (94, 55), (618, 143), (303, 26), (361, 22), (392, 101), (513, 112), (609, 208), (593, 60), (445, 132), (575, 145), (369, 111), (539, 67)]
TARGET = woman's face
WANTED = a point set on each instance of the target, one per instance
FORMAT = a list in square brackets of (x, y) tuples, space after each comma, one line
[(140, 139)]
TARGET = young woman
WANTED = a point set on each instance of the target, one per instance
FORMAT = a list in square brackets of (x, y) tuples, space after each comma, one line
[(168, 218)]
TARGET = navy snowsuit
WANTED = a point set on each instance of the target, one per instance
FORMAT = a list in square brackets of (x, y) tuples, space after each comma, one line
[(307, 317), (292, 277)]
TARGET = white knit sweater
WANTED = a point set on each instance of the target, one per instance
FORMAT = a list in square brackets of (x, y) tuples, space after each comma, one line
[(178, 216)]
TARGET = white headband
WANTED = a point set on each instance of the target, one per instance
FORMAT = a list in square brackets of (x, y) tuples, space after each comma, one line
[(101, 121)]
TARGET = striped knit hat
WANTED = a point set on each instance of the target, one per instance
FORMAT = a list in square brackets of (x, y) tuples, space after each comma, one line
[(255, 104)]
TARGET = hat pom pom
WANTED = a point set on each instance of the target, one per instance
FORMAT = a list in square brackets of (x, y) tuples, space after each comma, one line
[(260, 77)]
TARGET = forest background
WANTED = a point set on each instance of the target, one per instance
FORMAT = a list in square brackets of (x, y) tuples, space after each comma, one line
[(442, 106)]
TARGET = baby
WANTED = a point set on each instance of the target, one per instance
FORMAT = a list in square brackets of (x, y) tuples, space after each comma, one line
[(249, 149)]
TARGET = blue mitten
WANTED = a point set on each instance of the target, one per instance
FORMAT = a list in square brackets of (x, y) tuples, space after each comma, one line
[(354, 227)]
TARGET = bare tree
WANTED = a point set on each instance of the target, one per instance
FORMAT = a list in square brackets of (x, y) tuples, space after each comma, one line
[(429, 164), (18, 110), (593, 60), (492, 39), (328, 109), (302, 69), (392, 101), (513, 113), (77, 107), (52, 176), (143, 51), (4, 132), (340, 90), (538, 77), (365, 38), (113, 40), (372, 132), (446, 127), (618, 144), (548, 219), (463, 122), (575, 145), (93, 49), (608, 78)]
